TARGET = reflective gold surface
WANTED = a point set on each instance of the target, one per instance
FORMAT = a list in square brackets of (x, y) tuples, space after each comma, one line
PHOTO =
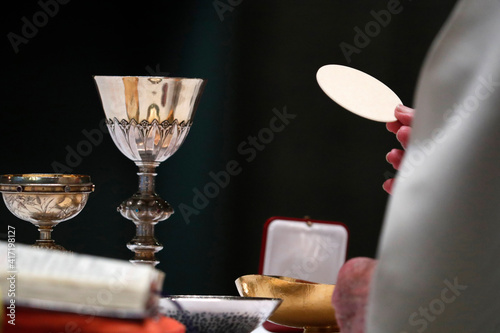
[(305, 304), (42, 182), (45, 200), (145, 98)]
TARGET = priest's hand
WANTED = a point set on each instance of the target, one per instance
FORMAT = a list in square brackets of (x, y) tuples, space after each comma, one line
[(402, 129)]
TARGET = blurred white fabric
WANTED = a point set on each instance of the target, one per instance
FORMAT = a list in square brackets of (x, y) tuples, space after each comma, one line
[(439, 261)]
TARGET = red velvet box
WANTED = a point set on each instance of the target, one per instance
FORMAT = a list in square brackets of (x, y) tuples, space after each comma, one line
[(304, 249)]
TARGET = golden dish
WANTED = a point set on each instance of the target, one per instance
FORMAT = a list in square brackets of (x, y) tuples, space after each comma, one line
[(305, 304)]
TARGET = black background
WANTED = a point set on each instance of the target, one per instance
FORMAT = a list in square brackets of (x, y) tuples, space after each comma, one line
[(257, 57)]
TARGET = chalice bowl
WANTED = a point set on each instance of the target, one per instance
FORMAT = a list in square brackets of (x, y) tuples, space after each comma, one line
[(148, 119), (45, 200)]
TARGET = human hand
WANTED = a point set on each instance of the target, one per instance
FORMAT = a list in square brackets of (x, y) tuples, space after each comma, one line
[(402, 129)]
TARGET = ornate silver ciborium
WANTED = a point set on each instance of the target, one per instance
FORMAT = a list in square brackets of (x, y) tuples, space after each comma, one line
[(148, 119), (45, 200)]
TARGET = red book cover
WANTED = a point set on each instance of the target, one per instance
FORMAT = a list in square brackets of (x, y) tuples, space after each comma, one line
[(27, 320)]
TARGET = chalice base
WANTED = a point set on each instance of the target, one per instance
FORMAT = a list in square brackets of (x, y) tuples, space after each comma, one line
[(48, 245), (144, 248), (145, 258)]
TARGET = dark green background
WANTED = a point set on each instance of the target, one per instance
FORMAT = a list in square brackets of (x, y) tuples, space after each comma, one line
[(327, 163)]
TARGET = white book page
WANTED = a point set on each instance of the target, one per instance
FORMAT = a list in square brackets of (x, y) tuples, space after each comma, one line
[(44, 278)]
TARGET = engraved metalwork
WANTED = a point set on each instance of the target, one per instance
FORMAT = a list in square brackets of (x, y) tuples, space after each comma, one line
[(45, 200), (147, 141), (148, 119)]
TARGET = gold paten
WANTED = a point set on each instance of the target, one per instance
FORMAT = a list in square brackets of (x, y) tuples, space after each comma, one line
[(305, 304)]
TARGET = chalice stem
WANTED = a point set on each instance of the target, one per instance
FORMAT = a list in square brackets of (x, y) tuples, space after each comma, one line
[(145, 230), (145, 209), (147, 175)]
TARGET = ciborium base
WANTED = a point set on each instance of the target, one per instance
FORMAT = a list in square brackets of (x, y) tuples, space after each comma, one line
[(48, 245), (46, 242)]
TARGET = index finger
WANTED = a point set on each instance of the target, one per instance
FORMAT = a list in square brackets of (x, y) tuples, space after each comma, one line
[(404, 114)]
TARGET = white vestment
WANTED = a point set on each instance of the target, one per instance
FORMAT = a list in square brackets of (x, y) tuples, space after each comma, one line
[(439, 253)]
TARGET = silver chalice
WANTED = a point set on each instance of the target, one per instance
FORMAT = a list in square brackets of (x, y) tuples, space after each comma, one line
[(45, 200), (148, 119)]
